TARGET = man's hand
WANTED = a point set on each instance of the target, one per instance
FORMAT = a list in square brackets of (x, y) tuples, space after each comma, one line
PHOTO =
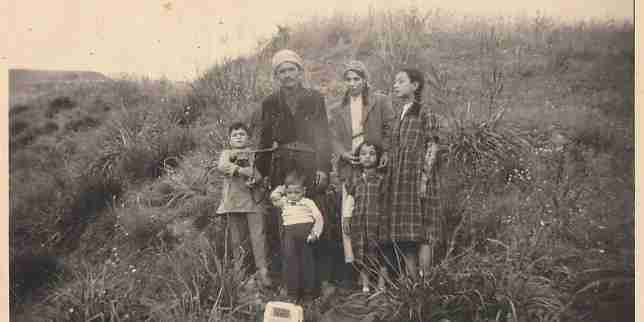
[(350, 157), (346, 225), (321, 179)]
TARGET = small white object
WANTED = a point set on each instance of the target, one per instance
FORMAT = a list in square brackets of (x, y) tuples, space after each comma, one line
[(283, 312)]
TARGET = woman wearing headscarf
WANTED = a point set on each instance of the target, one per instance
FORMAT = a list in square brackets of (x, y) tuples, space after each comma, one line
[(361, 115)]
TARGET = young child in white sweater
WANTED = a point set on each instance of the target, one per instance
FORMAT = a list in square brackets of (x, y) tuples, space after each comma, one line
[(302, 225)]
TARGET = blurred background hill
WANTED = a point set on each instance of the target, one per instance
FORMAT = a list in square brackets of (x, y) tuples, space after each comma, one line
[(25, 83)]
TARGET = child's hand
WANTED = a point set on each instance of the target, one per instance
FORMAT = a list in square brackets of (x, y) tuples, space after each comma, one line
[(312, 238), (346, 225)]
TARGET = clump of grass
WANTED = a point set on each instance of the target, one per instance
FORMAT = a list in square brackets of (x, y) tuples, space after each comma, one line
[(90, 195), (35, 214), (136, 143), (82, 124), (227, 90), (468, 287), (30, 134), (327, 35), (184, 192), (30, 271), (528, 227), (17, 126), (202, 286), (59, 104), (143, 226), (482, 143), (611, 286), (95, 293), (18, 109), (400, 40)]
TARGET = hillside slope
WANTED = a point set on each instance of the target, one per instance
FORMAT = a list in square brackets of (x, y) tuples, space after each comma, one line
[(25, 83), (112, 185)]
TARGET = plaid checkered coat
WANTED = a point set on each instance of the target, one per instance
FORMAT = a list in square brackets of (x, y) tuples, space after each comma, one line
[(413, 216), (368, 223)]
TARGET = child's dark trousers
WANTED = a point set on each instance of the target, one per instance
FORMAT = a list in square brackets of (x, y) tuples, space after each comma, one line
[(298, 263)]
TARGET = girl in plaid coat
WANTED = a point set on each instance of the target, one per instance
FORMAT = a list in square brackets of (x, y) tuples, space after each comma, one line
[(411, 177), (367, 224)]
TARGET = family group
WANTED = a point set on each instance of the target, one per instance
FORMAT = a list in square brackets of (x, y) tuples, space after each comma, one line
[(313, 188)]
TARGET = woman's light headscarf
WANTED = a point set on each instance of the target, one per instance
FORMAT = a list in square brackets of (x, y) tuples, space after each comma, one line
[(359, 67)]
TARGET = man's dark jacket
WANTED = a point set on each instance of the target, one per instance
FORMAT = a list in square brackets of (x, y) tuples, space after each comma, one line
[(274, 122)]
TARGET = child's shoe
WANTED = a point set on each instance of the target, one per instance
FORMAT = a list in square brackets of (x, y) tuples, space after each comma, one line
[(381, 284), (327, 289), (309, 297)]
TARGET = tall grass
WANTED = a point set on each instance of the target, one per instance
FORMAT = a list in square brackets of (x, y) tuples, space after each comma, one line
[(189, 282), (537, 187), (61, 185)]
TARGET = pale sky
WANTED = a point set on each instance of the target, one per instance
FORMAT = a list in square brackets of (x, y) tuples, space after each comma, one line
[(175, 38)]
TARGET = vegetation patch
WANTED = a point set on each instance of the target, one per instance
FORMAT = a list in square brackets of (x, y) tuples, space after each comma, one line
[(112, 213)]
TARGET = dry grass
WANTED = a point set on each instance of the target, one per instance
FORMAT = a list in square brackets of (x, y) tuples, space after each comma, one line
[(538, 188)]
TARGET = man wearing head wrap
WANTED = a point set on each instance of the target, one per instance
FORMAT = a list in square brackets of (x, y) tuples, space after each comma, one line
[(361, 115), (293, 119)]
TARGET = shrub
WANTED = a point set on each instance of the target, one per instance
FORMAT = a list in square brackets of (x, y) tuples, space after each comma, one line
[(186, 192), (29, 135), (35, 209), (83, 124), (202, 286), (17, 126), (18, 109), (468, 287), (59, 104), (537, 135), (30, 271), (227, 90), (90, 195), (96, 292), (136, 144)]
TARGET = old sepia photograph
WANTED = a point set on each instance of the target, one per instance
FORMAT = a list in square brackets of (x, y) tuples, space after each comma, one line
[(321, 161)]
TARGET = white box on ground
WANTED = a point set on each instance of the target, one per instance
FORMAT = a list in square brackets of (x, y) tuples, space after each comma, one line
[(283, 312)]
